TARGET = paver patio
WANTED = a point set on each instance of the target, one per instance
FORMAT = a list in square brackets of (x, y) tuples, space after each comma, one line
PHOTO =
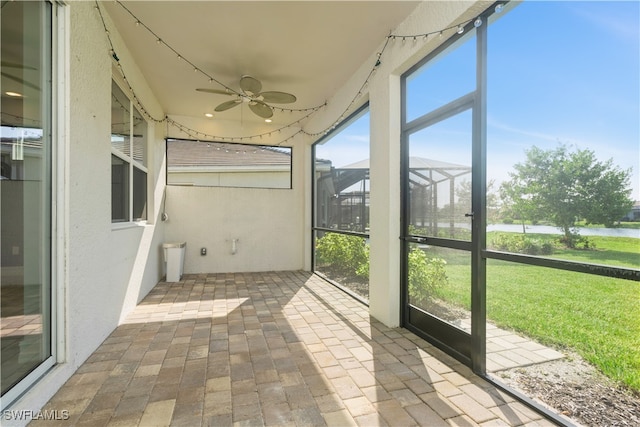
[(275, 348)]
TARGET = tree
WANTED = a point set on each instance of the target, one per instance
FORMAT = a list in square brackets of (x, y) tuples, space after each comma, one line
[(463, 204), (563, 186)]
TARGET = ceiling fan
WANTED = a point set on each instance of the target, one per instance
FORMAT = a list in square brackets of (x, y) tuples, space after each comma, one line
[(252, 95)]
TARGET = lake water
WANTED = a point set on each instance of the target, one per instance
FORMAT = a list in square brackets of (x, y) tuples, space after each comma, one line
[(547, 229)]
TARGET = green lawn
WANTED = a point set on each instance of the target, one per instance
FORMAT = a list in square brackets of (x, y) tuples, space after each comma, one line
[(597, 317)]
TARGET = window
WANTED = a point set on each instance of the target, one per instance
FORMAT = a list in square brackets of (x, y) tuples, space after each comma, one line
[(341, 205), (221, 164), (26, 151), (128, 160)]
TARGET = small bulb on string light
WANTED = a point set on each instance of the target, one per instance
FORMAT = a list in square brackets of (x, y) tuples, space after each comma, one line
[(478, 22), (499, 8), (158, 41), (137, 23), (460, 29)]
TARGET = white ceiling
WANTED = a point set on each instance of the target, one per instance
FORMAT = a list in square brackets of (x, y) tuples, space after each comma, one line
[(307, 48)]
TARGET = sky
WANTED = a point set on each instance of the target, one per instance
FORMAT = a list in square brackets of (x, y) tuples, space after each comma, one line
[(558, 73)]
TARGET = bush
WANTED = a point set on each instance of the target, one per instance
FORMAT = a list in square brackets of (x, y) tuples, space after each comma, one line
[(347, 254), (426, 276), (521, 244)]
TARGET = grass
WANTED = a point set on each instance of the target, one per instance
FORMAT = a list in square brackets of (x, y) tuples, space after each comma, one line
[(597, 317)]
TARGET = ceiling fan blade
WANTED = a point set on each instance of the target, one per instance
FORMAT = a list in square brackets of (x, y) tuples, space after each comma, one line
[(250, 85), (261, 109), (218, 91), (226, 105), (278, 97)]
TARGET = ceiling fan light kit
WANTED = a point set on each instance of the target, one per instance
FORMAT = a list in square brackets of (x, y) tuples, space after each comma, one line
[(251, 94)]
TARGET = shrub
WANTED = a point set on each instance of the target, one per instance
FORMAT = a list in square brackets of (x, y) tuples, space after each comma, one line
[(521, 244), (426, 276), (350, 256), (347, 254)]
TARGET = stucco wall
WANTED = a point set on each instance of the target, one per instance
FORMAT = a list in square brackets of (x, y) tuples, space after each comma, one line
[(267, 223)]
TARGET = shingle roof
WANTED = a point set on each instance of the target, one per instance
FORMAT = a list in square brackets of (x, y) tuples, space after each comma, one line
[(185, 153)]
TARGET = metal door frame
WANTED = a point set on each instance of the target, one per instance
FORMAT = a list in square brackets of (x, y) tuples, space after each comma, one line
[(470, 349)]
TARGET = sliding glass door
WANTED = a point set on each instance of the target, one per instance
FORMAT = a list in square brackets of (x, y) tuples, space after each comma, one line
[(25, 192)]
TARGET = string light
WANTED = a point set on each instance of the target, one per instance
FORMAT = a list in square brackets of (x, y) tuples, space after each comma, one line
[(194, 134)]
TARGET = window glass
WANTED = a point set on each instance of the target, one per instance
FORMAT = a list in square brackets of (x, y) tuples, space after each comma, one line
[(129, 157), (220, 164), (139, 138), (139, 194), (120, 120), (119, 189), (25, 193), (342, 177), (563, 131)]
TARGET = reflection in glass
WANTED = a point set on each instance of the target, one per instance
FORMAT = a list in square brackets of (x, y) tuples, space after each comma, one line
[(440, 179), (139, 138), (119, 189), (25, 190), (120, 120), (438, 282)]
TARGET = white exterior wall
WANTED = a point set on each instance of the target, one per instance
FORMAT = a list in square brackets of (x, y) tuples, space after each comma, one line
[(267, 223), (232, 178), (105, 271)]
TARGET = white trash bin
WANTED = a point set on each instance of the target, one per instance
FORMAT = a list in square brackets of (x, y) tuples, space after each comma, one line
[(174, 260)]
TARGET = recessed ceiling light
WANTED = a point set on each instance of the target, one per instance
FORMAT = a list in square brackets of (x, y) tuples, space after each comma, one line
[(14, 94), (268, 120), (208, 115)]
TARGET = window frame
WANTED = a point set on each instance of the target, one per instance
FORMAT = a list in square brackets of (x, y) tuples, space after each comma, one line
[(133, 165)]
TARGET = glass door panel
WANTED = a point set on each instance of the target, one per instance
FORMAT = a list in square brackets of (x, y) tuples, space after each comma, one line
[(25, 193)]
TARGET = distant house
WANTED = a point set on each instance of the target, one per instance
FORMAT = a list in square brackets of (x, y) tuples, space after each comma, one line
[(634, 213)]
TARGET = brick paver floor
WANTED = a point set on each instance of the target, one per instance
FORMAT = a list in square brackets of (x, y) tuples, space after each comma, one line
[(276, 348)]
